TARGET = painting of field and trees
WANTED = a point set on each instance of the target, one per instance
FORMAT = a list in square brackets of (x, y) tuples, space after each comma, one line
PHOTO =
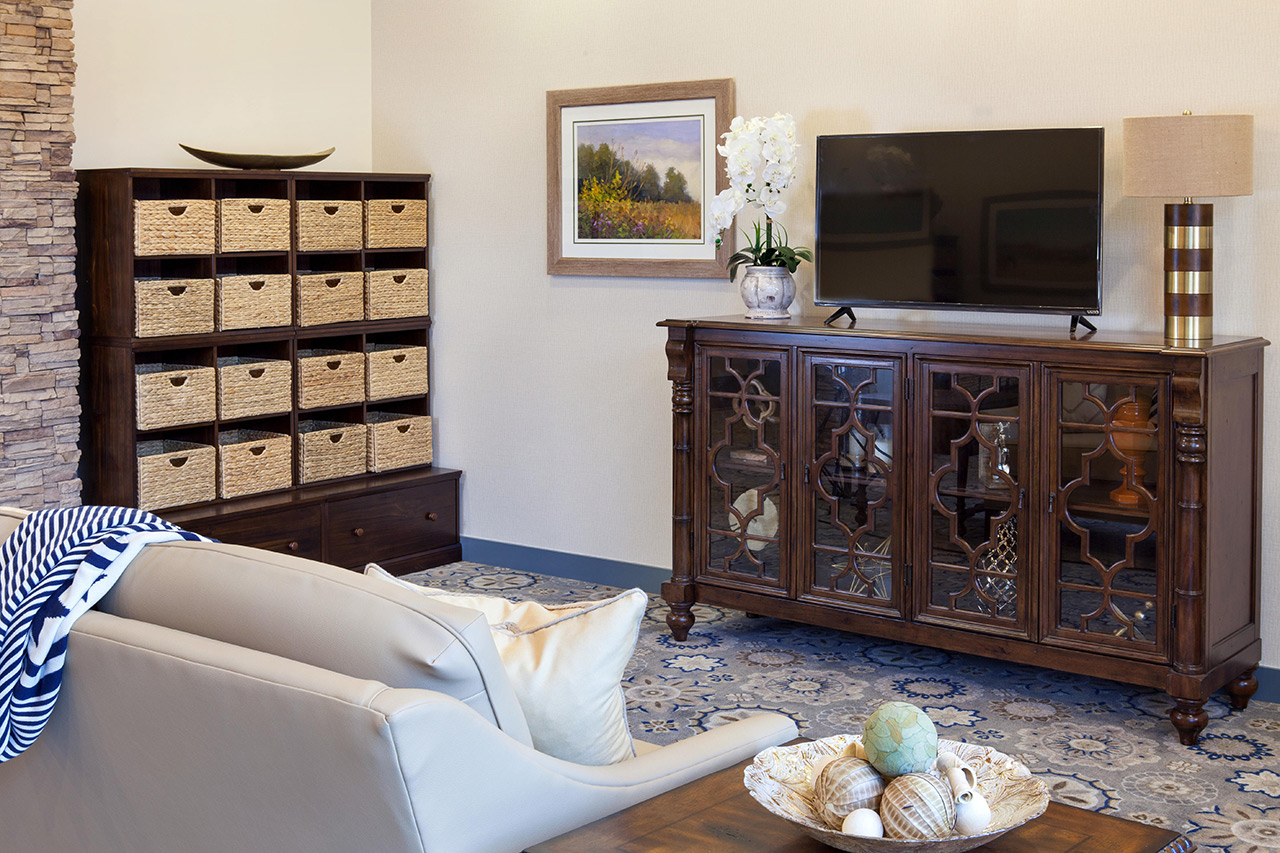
[(639, 179)]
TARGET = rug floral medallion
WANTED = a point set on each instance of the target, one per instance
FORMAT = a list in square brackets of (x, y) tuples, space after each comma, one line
[(1099, 745)]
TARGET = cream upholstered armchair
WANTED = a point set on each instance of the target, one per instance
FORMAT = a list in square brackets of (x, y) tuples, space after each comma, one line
[(224, 698)]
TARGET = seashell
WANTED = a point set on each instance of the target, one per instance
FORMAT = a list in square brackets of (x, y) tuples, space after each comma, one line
[(963, 782), (855, 749), (972, 815), (863, 822), (900, 738), (917, 806), (845, 785), (818, 765)]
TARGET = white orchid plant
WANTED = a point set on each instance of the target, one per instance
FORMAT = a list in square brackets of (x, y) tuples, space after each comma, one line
[(760, 159)]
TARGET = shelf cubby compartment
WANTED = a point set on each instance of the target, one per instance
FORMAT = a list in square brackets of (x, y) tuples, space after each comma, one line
[(172, 472), (253, 460), (174, 393), (330, 448), (397, 440), (250, 386), (330, 375)]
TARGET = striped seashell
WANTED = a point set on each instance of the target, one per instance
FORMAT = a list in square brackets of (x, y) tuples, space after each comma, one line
[(917, 806), (846, 785)]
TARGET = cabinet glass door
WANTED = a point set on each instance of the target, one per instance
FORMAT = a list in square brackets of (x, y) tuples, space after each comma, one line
[(854, 552), (975, 553), (1107, 512), (743, 437)]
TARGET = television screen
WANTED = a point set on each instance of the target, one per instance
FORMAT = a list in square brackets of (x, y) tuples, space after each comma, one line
[(1004, 220)]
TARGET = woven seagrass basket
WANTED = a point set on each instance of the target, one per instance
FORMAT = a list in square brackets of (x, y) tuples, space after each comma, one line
[(177, 226), (329, 449), (172, 473), (394, 223), (172, 306), (248, 387), (395, 293), (253, 225), (254, 301), (329, 225), (173, 394), (252, 461), (395, 371), (398, 441), (329, 377), (333, 297)]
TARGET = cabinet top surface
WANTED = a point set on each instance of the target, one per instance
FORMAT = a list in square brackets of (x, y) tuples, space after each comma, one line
[(275, 174), (968, 333)]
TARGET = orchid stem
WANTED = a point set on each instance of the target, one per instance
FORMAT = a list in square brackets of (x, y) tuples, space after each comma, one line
[(768, 232)]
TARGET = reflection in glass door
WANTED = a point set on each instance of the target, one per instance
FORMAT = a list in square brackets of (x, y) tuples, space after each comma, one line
[(745, 432), (850, 479), (975, 536), (1107, 511)]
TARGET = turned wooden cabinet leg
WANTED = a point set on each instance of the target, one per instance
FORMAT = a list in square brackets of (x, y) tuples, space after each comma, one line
[(1189, 718), (680, 620), (1242, 689)]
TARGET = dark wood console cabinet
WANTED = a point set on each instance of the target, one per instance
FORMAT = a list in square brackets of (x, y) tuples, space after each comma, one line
[(1088, 504)]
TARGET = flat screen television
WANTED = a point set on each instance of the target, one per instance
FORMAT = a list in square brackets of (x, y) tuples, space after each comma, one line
[(991, 220)]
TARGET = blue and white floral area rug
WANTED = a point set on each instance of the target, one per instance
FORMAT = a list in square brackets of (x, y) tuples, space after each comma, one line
[(1099, 745)]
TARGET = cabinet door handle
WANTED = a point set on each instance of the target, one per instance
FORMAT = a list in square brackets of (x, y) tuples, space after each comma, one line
[(359, 531), (431, 516), (293, 546), (1022, 497), (1051, 497)]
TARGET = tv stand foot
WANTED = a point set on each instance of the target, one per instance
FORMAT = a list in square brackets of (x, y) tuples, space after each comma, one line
[(1077, 319), (853, 321)]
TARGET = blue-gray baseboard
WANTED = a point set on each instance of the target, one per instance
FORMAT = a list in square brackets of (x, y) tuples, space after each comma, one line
[(649, 578)]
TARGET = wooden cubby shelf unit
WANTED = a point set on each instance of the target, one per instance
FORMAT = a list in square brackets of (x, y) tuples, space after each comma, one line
[(410, 514)]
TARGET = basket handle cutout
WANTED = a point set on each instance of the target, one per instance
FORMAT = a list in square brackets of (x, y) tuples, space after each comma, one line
[(402, 427), (178, 289), (177, 381), (177, 209), (256, 372), (333, 282), (333, 365), (256, 208), (335, 437), (331, 209), (257, 285), (397, 208), (399, 279), (398, 357), (259, 450), (178, 461)]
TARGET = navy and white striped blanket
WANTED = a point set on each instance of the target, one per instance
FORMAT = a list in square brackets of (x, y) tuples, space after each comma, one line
[(56, 565)]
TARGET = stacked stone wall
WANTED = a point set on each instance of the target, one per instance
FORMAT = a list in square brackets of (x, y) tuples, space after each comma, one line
[(39, 346)]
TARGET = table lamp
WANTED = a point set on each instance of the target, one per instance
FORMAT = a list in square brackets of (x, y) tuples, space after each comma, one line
[(1184, 157)]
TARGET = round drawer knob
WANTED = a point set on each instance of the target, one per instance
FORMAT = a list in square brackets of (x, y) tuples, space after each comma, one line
[(293, 546), (359, 531), (431, 516)]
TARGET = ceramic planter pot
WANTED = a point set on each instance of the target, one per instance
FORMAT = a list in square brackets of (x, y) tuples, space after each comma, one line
[(767, 291)]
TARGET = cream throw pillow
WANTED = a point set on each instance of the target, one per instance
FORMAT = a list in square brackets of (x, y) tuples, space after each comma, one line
[(565, 663)]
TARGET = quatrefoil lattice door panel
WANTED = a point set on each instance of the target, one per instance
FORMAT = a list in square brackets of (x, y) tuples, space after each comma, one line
[(852, 450), (744, 438), (1108, 512), (975, 530)]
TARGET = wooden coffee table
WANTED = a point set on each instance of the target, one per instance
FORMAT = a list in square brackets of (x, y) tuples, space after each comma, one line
[(715, 814)]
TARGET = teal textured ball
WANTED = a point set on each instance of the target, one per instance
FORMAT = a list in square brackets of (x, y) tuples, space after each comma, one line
[(899, 738)]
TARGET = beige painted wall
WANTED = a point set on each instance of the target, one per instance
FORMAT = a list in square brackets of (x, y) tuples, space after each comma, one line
[(551, 391), (270, 76)]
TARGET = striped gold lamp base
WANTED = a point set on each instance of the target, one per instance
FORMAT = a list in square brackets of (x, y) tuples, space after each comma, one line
[(1188, 272)]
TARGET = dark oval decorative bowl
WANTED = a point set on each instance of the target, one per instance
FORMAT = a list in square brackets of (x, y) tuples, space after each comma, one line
[(256, 161)]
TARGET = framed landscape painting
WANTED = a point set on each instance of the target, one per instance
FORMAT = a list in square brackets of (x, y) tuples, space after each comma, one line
[(631, 171)]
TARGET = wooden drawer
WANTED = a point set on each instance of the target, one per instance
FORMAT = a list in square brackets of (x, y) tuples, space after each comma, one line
[(294, 531), (392, 524)]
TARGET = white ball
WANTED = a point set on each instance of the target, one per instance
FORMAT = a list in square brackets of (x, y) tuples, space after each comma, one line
[(863, 822)]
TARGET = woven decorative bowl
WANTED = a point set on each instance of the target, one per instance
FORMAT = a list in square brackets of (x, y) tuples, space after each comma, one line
[(779, 780)]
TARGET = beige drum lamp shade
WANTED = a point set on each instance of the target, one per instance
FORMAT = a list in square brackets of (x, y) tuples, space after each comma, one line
[(1188, 156), (1185, 157)]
